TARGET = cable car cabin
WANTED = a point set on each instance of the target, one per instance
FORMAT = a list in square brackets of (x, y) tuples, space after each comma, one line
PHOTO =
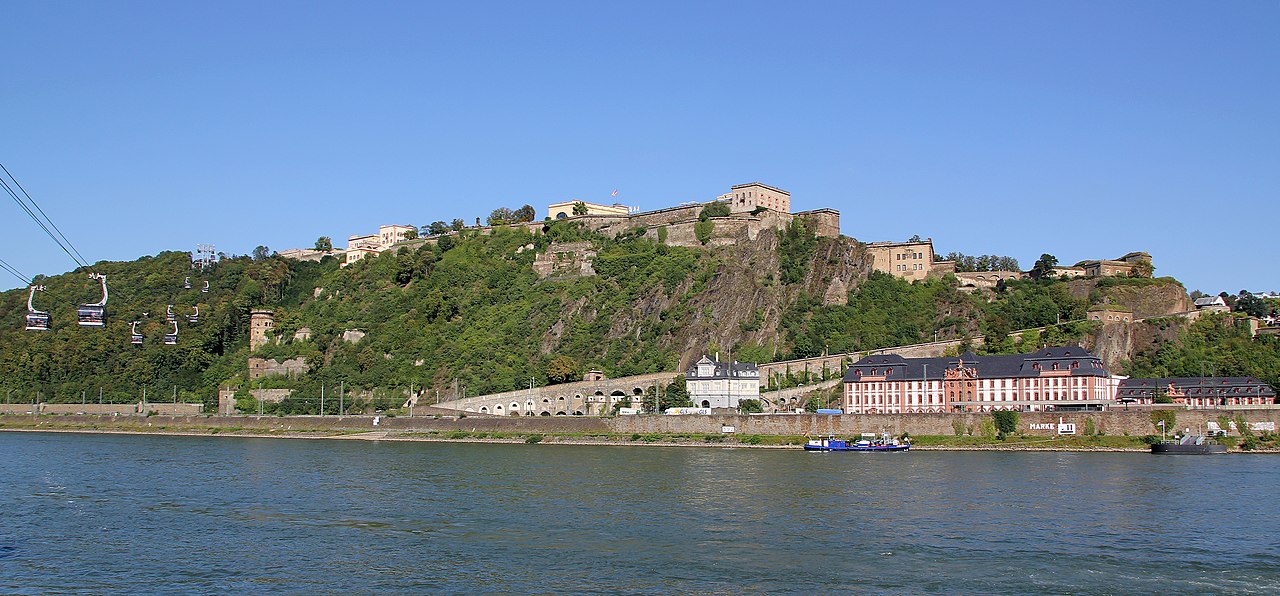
[(92, 315), (169, 316), (37, 321), (171, 339), (135, 339), (194, 317), (186, 284), (205, 289)]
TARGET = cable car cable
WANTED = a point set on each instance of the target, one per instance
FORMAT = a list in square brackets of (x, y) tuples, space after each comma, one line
[(42, 225), (15, 272), (83, 260)]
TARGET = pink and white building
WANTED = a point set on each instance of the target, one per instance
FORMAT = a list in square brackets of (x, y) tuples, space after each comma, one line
[(1053, 378)]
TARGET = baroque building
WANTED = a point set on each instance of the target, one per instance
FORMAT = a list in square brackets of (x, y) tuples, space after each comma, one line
[(1052, 378)]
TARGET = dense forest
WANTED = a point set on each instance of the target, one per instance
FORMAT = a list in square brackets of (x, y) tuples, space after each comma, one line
[(468, 311)]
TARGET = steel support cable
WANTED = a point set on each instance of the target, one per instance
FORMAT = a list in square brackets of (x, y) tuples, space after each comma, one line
[(15, 272), (33, 202), (36, 219)]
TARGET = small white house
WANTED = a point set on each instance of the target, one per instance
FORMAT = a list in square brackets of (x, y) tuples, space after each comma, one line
[(1211, 303), (714, 384)]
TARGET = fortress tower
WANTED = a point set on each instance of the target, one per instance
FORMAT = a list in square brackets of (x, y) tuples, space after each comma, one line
[(260, 322)]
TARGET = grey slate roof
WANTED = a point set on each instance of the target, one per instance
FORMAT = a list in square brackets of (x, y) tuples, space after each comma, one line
[(1198, 387), (999, 366), (724, 370)]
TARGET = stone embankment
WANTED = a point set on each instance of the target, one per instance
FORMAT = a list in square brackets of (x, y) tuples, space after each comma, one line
[(1032, 424)]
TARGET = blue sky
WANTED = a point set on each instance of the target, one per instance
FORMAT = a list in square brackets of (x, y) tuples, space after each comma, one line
[(1080, 129)]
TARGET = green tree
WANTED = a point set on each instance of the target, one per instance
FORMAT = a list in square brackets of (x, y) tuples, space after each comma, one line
[(562, 369), (324, 244), (261, 253), (714, 209), (579, 208), (437, 228), (501, 217), (1142, 268), (675, 394), (1168, 417), (524, 214), (1044, 266), (750, 406), (703, 230), (1006, 422), (411, 234), (457, 225)]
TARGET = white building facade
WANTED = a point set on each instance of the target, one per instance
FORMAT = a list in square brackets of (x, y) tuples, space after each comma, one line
[(714, 384)]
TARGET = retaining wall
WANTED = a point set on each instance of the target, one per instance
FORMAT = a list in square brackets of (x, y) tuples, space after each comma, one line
[(1134, 422)]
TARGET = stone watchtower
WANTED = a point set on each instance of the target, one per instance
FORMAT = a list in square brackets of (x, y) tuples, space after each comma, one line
[(260, 322)]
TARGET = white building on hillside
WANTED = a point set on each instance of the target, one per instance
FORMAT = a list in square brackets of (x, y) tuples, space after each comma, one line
[(714, 384), (360, 246)]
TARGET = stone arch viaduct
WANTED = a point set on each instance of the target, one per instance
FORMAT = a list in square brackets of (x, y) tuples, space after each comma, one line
[(582, 398)]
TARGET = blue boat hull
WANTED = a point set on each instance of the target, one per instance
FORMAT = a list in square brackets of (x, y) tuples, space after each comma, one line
[(847, 447)]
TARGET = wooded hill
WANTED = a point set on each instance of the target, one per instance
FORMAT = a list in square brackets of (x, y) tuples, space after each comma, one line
[(469, 311)]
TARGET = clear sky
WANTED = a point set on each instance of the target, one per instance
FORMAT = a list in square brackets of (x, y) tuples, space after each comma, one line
[(1081, 129)]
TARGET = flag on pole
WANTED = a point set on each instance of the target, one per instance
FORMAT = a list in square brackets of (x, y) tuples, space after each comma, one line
[(1161, 423), (615, 193)]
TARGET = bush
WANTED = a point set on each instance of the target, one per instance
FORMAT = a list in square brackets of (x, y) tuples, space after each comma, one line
[(1006, 422), (1242, 426), (714, 209), (531, 439), (703, 229), (958, 427), (1169, 417)]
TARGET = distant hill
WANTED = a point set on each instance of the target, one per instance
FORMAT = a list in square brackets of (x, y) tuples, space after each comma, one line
[(470, 310)]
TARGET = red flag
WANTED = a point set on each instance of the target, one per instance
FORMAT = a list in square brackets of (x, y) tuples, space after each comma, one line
[(615, 193)]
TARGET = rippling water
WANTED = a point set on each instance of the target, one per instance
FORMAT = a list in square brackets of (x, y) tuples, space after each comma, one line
[(109, 513)]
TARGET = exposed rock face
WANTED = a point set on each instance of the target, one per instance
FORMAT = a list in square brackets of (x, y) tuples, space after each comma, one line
[(1146, 300), (837, 293), (352, 336), (742, 302), (565, 259), (1118, 343)]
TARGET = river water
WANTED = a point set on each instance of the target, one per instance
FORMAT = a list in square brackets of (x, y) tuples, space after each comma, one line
[(148, 514)]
